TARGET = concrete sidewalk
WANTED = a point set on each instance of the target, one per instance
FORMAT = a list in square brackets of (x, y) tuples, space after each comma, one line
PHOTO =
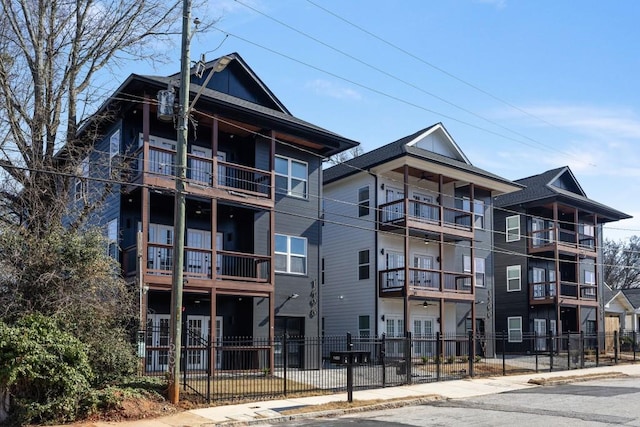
[(269, 411)]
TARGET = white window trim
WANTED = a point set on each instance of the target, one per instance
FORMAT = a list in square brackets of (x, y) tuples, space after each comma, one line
[(362, 330), (368, 264), (509, 329), (364, 203), (290, 177), (507, 234), (289, 255), (519, 270)]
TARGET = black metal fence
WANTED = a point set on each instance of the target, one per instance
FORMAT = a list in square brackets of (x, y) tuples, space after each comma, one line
[(250, 368)]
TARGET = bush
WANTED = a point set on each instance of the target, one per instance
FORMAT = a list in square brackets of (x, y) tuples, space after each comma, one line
[(111, 355), (45, 370)]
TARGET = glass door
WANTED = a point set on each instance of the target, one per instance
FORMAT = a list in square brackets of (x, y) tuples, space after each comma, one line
[(157, 343), (197, 342)]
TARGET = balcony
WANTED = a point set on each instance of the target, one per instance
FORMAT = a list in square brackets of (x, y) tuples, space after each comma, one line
[(565, 240), (545, 292), (426, 217), (231, 181), (230, 266), (425, 283)]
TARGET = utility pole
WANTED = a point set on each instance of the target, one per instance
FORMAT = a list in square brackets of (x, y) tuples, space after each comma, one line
[(179, 214)]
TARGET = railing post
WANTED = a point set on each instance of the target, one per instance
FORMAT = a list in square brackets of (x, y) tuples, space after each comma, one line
[(472, 352), (284, 362), (209, 343), (616, 346), (598, 347), (383, 353), (407, 355), (504, 351), (438, 355)]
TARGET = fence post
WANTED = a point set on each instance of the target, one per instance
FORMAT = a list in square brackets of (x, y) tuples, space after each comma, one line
[(407, 355), (349, 369), (615, 347), (383, 353), (598, 347), (504, 350), (550, 346), (568, 350), (634, 345), (472, 352), (581, 349), (285, 350), (535, 347), (209, 342), (438, 355)]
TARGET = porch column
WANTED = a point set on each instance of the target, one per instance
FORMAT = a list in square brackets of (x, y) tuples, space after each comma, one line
[(556, 256), (472, 197), (214, 151), (405, 294), (144, 201)]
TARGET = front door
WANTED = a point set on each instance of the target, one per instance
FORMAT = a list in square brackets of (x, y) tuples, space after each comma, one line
[(395, 211), (197, 342), (160, 249), (394, 335), (540, 329), (200, 164), (422, 207), (198, 262), (395, 261), (157, 343), (423, 335), (219, 340)]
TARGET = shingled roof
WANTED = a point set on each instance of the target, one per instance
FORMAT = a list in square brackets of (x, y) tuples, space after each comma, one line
[(401, 148), (542, 188)]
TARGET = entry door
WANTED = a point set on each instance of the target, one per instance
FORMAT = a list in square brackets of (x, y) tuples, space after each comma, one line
[(396, 211), (423, 335), (157, 343), (160, 256), (219, 341), (199, 168), (394, 331), (421, 211), (198, 262), (422, 279), (540, 238), (197, 341), (539, 283), (540, 329), (162, 162), (395, 260), (219, 240)]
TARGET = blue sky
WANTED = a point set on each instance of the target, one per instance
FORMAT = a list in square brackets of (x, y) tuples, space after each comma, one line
[(522, 86)]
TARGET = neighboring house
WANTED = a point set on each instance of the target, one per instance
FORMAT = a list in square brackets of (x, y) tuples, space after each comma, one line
[(253, 199), (408, 241), (548, 257), (622, 310)]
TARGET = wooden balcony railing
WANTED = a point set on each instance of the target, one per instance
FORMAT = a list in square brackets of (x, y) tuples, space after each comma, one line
[(231, 176), (425, 279), (425, 213), (563, 237), (545, 292), (229, 265)]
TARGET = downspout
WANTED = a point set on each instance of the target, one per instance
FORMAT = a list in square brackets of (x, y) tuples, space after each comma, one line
[(375, 252)]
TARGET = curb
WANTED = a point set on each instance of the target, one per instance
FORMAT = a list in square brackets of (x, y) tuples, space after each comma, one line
[(575, 379)]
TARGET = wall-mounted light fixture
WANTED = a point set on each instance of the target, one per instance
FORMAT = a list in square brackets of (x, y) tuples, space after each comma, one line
[(382, 251), (382, 186), (382, 317)]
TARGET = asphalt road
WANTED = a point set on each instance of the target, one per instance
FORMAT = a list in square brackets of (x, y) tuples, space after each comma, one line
[(594, 403)]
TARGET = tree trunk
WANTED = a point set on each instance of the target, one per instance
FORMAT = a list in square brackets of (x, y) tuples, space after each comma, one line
[(4, 404)]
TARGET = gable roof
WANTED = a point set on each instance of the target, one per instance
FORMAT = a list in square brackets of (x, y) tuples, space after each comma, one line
[(407, 146), (548, 186), (633, 296)]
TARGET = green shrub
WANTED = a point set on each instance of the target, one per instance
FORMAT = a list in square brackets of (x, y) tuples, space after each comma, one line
[(111, 356), (45, 369)]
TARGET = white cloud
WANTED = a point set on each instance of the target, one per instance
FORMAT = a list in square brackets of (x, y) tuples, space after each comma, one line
[(327, 88)]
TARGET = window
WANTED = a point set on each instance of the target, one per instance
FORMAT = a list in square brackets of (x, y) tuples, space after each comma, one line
[(112, 239), (514, 326), (363, 265), (363, 201), (591, 327), (363, 326), (291, 177), (512, 228), (479, 267), (114, 149), (590, 281), (291, 254), (513, 278), (322, 271), (81, 184)]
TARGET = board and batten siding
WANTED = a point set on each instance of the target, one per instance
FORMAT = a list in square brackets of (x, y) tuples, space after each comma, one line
[(508, 304), (345, 234)]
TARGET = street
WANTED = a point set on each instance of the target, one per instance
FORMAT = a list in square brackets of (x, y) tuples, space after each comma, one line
[(593, 403)]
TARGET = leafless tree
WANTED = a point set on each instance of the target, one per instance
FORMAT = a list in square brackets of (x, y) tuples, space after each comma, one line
[(622, 263), (50, 54), (346, 155)]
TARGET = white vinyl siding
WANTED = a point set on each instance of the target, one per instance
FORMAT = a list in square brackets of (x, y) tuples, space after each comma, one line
[(514, 278), (512, 228)]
